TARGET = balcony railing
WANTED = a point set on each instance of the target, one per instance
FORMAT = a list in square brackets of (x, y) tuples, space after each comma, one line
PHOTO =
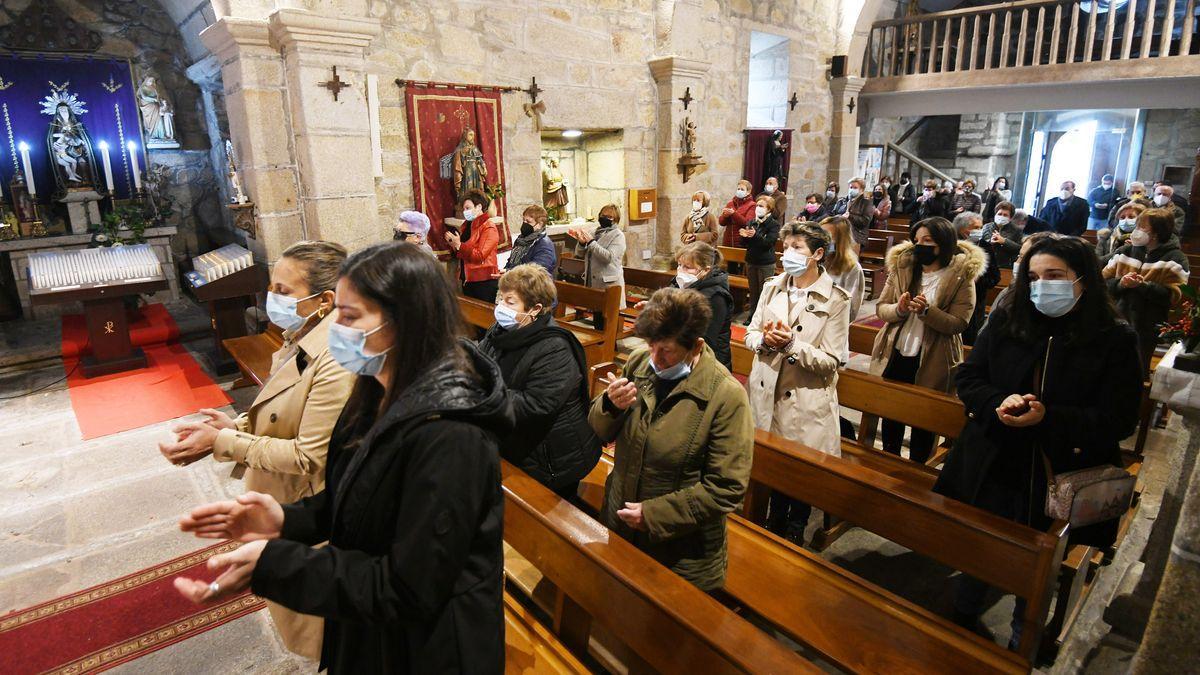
[(1031, 33)]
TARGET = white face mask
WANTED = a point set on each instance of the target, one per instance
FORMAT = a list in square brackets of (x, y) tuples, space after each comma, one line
[(1139, 237), (1161, 200), (684, 279), (696, 206), (1107, 186), (853, 192), (741, 194), (927, 192), (761, 212), (1001, 220), (830, 193), (1065, 195), (769, 189), (794, 262)]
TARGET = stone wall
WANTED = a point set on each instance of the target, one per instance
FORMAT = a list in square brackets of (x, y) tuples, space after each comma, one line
[(142, 32), (1172, 137), (591, 58), (986, 146), (594, 168)]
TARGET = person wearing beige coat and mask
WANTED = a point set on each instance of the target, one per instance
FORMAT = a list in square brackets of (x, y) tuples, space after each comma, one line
[(798, 334), (700, 224), (280, 443)]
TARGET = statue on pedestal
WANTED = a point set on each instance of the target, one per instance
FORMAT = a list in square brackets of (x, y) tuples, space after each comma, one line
[(158, 115), (469, 170), (554, 191), (68, 143)]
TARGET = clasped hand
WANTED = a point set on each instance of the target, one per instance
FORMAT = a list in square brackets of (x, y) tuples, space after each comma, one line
[(776, 334), (1132, 280), (907, 304), (194, 440), (580, 235), (747, 232), (253, 518), (1021, 411)]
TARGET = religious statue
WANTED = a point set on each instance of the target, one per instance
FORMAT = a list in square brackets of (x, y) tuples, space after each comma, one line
[(690, 162), (469, 170), (158, 116), (237, 196), (67, 141), (554, 191), (688, 131), (773, 164)]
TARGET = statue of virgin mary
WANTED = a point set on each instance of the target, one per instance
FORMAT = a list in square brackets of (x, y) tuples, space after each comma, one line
[(68, 144), (469, 168)]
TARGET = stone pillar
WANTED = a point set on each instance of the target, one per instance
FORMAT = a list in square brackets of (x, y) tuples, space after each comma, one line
[(331, 138), (259, 125), (843, 140), (206, 73), (673, 75)]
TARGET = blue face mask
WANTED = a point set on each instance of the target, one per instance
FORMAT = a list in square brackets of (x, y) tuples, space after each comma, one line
[(794, 263), (676, 372), (1127, 224), (1053, 297), (468, 216), (346, 345), (281, 310), (506, 316)]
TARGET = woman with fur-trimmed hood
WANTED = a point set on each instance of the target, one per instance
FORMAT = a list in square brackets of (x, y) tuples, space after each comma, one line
[(926, 305)]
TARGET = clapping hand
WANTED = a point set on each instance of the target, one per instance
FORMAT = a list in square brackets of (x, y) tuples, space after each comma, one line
[(250, 517), (997, 238), (689, 238), (217, 419), (453, 239), (904, 304), (238, 567), (193, 442), (580, 235), (1132, 280), (747, 232), (621, 392), (776, 334), (1021, 411), (919, 304)]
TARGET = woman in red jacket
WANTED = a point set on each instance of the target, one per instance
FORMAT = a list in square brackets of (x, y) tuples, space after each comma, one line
[(476, 248), (738, 212)]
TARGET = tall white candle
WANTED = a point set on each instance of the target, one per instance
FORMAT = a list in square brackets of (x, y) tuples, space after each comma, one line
[(133, 159), (28, 170), (107, 166)]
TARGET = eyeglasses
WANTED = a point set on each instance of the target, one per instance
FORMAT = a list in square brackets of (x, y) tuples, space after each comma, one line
[(401, 236)]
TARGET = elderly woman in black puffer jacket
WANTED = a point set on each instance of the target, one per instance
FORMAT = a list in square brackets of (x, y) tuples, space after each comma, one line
[(545, 371)]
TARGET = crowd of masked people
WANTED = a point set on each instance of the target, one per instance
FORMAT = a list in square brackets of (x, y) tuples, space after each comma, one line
[(372, 523)]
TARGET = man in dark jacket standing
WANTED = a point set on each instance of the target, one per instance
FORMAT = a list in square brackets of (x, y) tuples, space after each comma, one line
[(1101, 199), (1066, 213)]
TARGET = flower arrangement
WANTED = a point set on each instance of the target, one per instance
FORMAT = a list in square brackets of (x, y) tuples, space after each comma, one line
[(1187, 326)]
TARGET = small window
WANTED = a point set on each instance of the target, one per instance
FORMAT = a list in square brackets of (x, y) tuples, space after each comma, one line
[(766, 102)]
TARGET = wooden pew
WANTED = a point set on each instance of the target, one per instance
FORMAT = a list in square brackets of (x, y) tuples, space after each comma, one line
[(253, 353), (1005, 554), (530, 647), (666, 622), (852, 623), (607, 302), (483, 315)]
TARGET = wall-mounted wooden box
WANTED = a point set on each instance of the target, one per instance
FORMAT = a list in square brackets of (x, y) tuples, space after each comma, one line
[(643, 203)]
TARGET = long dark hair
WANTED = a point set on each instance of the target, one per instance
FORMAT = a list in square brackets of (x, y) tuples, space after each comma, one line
[(946, 238), (422, 310), (1094, 311)]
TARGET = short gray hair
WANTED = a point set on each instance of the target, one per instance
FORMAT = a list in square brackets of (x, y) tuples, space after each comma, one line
[(1020, 215), (1137, 184), (417, 221), (966, 219)]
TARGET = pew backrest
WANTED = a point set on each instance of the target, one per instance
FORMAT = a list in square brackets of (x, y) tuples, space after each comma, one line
[(606, 301)]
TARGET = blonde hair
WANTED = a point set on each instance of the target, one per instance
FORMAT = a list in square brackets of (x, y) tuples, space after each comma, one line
[(531, 283), (321, 262), (699, 254), (769, 200), (843, 257), (1134, 206), (613, 210), (538, 213), (704, 197)]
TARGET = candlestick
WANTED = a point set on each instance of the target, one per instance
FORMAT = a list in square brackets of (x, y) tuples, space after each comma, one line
[(133, 159), (107, 166), (28, 170)]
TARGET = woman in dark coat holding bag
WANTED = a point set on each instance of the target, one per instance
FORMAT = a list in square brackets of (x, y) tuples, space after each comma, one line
[(1055, 371), (546, 373), (411, 579)]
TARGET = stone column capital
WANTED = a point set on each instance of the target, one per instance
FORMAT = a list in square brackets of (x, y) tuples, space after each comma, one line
[(229, 34), (667, 68), (842, 87), (295, 29), (206, 73)]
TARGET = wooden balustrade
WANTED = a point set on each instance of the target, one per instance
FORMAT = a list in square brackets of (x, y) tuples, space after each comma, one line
[(1029, 33)]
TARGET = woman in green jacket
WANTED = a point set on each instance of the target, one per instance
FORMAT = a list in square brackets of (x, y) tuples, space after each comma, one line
[(684, 441)]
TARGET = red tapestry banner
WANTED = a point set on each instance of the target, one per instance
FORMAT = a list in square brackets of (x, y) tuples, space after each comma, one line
[(445, 155)]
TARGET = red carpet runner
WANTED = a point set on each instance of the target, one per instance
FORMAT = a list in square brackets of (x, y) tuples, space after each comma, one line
[(115, 622), (172, 385)]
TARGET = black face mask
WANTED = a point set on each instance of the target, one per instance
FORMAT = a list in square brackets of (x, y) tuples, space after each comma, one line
[(605, 221), (526, 229), (925, 254)]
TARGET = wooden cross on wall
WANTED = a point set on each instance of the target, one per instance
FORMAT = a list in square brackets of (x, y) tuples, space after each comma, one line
[(335, 84), (686, 98)]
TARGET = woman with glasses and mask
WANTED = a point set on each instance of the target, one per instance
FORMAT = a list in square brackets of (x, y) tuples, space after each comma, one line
[(1109, 239), (411, 576), (413, 227), (1056, 372), (799, 335), (926, 305), (279, 445), (1143, 277), (533, 246), (546, 373), (698, 267), (684, 441)]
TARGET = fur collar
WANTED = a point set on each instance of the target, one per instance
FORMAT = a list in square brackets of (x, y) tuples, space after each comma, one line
[(970, 261)]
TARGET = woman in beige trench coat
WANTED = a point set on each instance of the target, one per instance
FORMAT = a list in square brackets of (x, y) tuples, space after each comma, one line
[(280, 443), (798, 335)]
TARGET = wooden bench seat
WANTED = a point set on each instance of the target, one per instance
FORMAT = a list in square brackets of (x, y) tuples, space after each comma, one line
[(253, 354), (849, 621), (666, 622), (483, 315), (530, 647)]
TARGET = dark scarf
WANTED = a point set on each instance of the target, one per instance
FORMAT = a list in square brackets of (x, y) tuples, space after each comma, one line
[(512, 344), (521, 246)]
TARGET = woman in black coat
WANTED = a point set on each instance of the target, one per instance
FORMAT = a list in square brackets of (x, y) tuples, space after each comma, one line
[(411, 579), (1055, 371), (928, 205), (699, 268), (545, 370)]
